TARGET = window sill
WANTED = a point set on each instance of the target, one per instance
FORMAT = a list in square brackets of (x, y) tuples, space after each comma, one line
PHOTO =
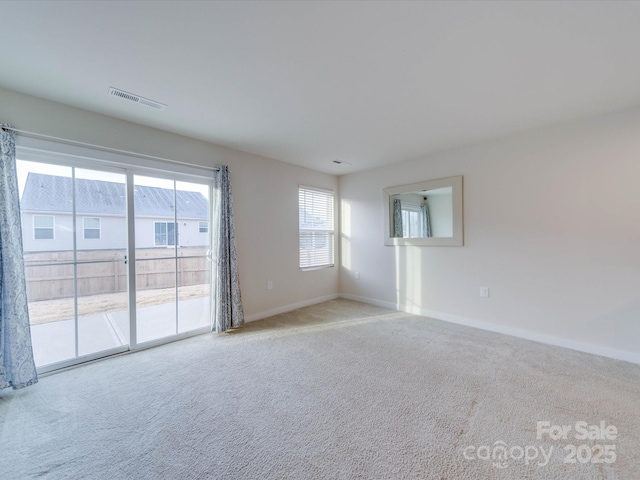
[(318, 267)]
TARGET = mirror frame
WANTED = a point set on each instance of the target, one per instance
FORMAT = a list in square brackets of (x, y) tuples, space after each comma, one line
[(457, 240)]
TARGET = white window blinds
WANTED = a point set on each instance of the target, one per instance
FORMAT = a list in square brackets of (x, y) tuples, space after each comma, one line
[(316, 227)]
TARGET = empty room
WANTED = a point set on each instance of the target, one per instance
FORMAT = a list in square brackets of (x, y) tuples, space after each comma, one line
[(319, 240)]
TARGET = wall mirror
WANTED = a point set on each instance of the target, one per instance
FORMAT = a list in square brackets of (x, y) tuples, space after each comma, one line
[(425, 213)]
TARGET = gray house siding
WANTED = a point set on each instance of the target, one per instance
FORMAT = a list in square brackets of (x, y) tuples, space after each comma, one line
[(50, 196), (113, 233)]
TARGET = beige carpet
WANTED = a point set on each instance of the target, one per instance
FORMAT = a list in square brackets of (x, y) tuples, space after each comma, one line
[(337, 390)]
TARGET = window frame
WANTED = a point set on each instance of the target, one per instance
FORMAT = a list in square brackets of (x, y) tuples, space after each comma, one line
[(52, 228), (312, 235), (84, 228), (166, 234), (411, 208)]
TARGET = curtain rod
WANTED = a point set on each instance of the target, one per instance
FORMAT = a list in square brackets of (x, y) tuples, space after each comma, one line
[(101, 147)]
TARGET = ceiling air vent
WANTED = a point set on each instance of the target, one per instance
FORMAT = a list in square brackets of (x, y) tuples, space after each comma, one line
[(136, 98)]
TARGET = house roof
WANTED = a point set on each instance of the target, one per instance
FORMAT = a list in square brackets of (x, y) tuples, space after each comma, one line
[(51, 193)]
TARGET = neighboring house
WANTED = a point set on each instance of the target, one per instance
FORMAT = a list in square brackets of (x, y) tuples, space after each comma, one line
[(47, 215)]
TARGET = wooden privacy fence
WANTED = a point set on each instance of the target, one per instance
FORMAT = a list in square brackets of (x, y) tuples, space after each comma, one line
[(50, 275)]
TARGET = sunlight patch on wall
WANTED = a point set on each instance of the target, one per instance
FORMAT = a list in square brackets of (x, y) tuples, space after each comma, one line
[(345, 235)]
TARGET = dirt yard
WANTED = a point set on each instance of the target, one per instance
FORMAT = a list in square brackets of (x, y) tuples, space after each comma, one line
[(46, 311)]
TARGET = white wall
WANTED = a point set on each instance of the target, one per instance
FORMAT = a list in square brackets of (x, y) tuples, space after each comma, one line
[(441, 214), (265, 194), (552, 227)]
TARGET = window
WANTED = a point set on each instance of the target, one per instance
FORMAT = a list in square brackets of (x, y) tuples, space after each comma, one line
[(165, 233), (316, 227), (91, 227), (203, 227), (43, 227), (412, 221)]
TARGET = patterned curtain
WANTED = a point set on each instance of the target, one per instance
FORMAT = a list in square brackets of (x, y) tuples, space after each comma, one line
[(228, 311), (397, 218), (17, 367), (426, 220)]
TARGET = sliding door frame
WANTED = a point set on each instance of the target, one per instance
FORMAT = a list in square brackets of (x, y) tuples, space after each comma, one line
[(175, 178), (131, 265), (45, 151)]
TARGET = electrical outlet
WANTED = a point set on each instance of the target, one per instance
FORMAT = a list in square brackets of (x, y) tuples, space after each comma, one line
[(357, 275), (484, 292), (269, 285)]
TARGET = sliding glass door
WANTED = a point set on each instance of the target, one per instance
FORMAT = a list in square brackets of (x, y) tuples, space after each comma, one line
[(193, 207), (173, 272), (74, 236), (76, 227), (101, 251)]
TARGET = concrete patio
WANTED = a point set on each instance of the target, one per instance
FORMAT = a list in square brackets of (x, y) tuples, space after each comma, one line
[(55, 341)]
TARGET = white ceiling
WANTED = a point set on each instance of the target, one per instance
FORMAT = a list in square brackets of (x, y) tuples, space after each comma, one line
[(369, 83)]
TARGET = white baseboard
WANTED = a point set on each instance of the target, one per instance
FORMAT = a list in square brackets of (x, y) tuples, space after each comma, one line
[(288, 308), (511, 331), (371, 301)]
